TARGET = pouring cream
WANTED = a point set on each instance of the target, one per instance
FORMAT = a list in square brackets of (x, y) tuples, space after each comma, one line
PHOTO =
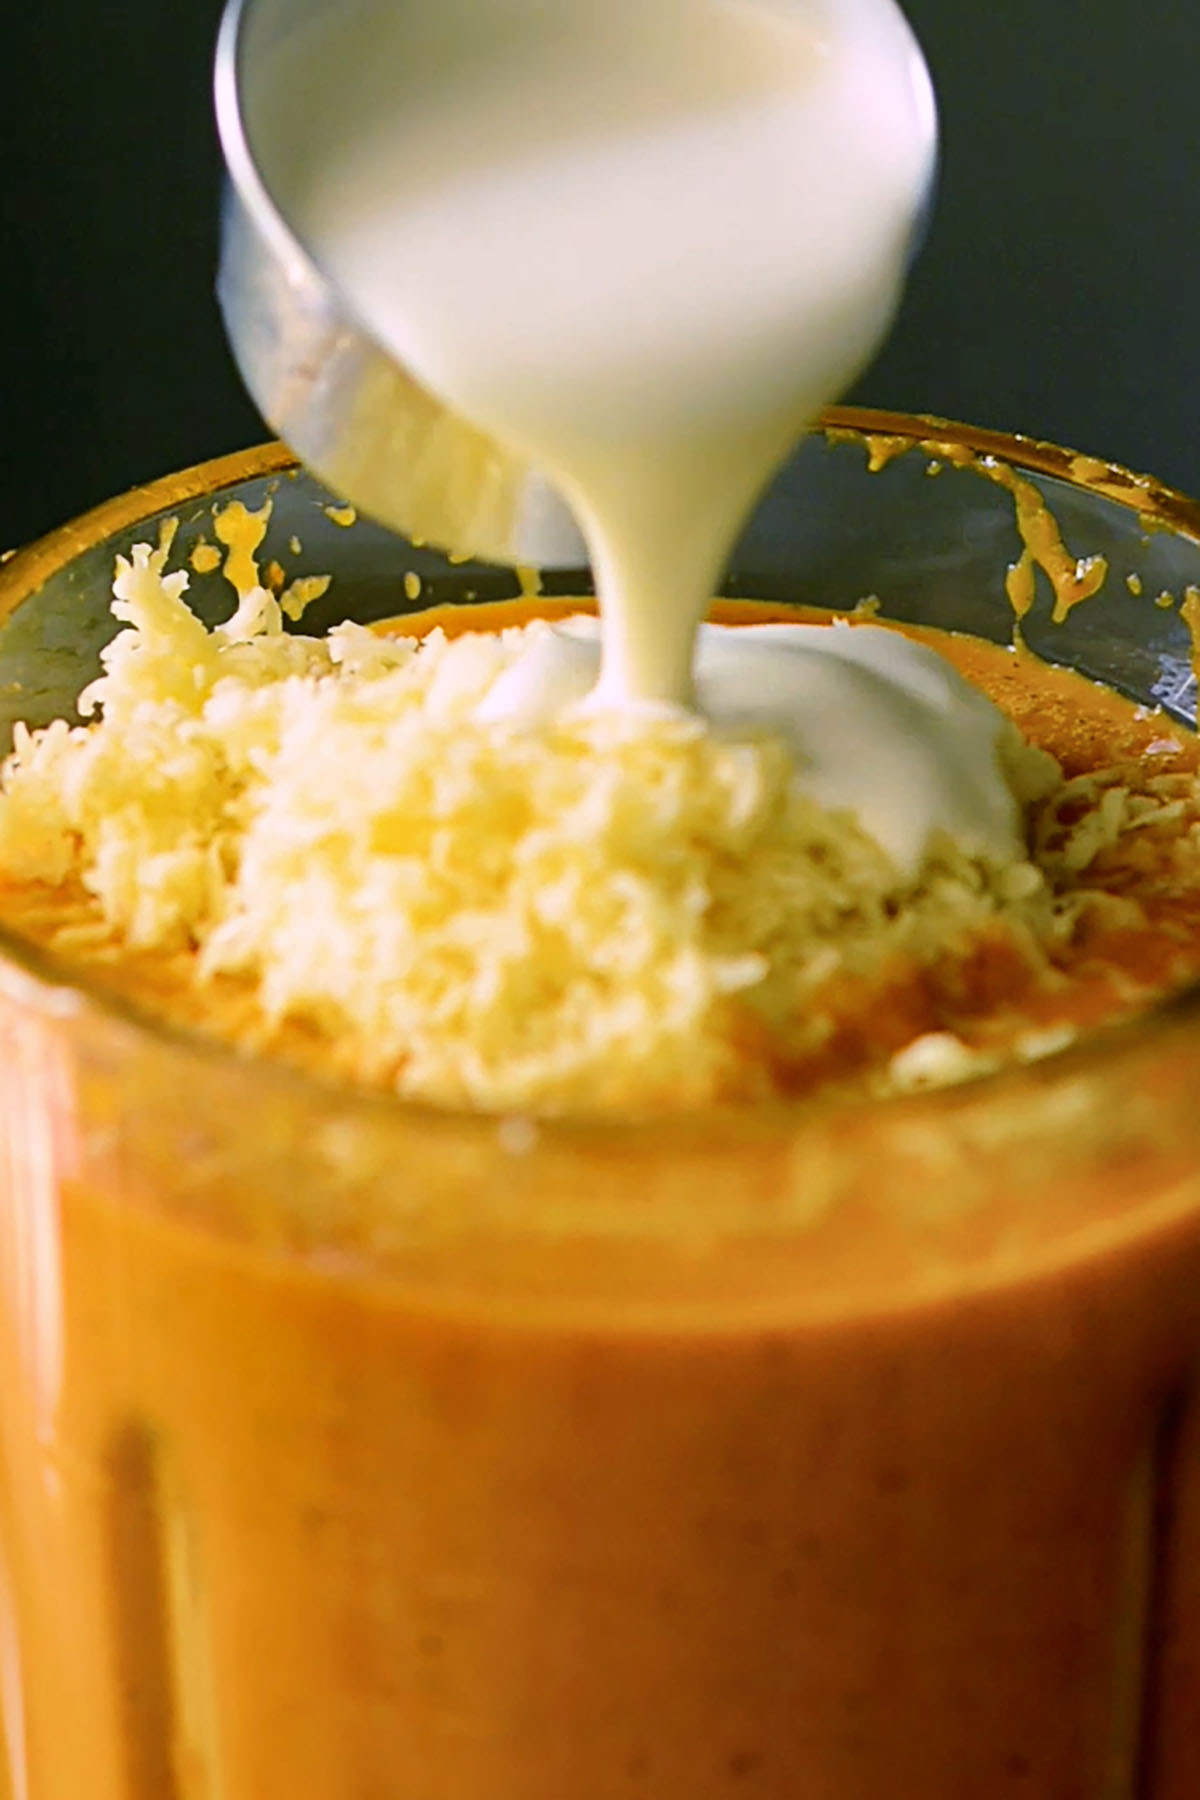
[(642, 244)]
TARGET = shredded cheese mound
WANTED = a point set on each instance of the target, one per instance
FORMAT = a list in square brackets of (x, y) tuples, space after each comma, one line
[(609, 912)]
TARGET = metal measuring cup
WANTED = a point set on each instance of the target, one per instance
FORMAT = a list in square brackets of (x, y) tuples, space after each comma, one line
[(349, 409)]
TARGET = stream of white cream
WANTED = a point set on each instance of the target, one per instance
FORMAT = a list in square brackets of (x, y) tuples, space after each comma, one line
[(642, 242)]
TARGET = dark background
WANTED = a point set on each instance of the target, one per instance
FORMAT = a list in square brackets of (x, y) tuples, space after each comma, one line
[(1059, 293)]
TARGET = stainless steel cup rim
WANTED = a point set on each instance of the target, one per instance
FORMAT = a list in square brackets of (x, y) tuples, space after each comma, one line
[(360, 421), (239, 163)]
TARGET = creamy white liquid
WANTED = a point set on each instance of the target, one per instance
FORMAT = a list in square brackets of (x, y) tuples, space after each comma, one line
[(641, 241), (880, 726)]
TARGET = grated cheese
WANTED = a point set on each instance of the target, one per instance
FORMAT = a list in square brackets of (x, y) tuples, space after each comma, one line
[(606, 912)]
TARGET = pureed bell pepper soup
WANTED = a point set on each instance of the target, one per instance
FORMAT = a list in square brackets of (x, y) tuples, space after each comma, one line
[(328, 1508), (292, 1522)]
